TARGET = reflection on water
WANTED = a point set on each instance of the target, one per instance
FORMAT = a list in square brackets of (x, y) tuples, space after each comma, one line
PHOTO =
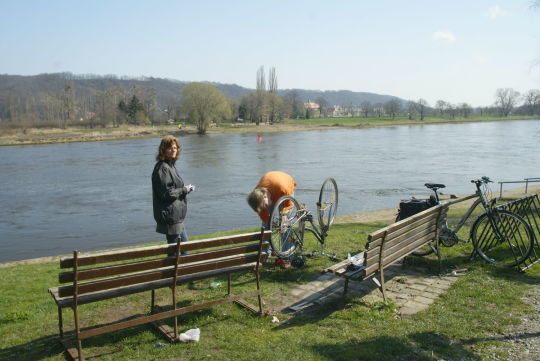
[(90, 196)]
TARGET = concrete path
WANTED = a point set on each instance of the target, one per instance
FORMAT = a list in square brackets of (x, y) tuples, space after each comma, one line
[(410, 289)]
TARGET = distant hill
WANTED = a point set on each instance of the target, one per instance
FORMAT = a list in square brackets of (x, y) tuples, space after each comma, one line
[(24, 87), (341, 97)]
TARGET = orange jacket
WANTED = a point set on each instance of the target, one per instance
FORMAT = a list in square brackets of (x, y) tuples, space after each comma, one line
[(279, 184)]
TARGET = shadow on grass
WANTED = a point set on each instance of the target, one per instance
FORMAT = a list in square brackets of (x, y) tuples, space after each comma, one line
[(425, 346), (40, 348), (49, 346)]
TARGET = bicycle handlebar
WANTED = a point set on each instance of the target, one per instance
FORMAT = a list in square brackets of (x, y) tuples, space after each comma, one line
[(484, 180)]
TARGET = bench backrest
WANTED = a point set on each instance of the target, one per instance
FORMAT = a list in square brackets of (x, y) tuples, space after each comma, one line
[(400, 239), (110, 270)]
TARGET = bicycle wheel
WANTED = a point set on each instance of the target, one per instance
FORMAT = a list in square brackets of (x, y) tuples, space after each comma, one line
[(502, 238), (424, 250), (328, 203), (287, 222)]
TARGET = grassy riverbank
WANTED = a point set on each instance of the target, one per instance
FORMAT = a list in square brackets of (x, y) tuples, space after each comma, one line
[(73, 134), (470, 321)]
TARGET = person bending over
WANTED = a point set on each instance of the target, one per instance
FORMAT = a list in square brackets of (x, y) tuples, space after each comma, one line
[(272, 186)]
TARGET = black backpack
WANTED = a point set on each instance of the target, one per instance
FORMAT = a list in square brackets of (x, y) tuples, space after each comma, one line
[(412, 206)]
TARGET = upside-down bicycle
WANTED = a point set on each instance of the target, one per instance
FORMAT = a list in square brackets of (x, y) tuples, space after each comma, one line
[(499, 237), (288, 224)]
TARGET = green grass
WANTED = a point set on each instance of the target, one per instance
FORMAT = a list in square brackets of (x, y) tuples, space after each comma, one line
[(378, 121), (463, 324)]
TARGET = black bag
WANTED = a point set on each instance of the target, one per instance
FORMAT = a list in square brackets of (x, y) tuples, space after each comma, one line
[(410, 207)]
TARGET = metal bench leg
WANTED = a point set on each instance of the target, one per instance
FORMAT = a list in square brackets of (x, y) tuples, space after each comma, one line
[(259, 297), (77, 331), (345, 286), (153, 301), (60, 323), (382, 286)]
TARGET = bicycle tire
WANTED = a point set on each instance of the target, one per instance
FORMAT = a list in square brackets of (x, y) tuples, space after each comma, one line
[(286, 237), (328, 203), (516, 243), (424, 250)]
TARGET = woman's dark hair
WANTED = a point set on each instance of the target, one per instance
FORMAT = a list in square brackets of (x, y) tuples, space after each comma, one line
[(165, 144)]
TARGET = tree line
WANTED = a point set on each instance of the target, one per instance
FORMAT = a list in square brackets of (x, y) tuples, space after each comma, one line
[(203, 104)]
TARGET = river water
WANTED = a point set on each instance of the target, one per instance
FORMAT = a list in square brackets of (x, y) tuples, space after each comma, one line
[(92, 196)]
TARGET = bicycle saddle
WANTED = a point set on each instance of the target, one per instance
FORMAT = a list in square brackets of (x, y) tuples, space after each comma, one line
[(434, 186)]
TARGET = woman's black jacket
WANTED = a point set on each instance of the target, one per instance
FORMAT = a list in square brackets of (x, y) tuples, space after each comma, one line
[(168, 197)]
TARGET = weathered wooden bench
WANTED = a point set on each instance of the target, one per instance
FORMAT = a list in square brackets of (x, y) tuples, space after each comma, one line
[(390, 244), (101, 276)]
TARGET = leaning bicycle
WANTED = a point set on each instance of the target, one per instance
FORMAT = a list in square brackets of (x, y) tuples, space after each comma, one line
[(498, 236), (289, 220)]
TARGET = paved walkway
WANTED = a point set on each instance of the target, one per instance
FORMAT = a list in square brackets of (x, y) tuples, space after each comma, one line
[(410, 289)]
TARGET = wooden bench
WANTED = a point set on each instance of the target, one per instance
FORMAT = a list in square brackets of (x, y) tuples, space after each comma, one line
[(390, 244), (101, 276)]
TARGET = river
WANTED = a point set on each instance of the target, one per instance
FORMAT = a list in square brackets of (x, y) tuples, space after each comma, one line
[(91, 196)]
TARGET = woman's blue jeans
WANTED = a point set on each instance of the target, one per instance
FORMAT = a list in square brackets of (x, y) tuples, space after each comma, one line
[(171, 239)]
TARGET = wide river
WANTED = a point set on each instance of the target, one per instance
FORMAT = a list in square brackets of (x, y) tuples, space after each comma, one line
[(92, 196)]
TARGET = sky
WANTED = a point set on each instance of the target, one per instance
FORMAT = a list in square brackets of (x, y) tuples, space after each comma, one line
[(456, 51)]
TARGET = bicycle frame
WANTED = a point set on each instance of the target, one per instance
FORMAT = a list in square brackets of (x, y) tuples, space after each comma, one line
[(481, 200), (471, 209), (319, 233)]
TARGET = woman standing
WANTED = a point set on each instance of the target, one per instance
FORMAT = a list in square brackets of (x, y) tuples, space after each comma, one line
[(169, 192)]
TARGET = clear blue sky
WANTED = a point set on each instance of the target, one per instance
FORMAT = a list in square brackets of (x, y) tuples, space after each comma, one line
[(457, 51)]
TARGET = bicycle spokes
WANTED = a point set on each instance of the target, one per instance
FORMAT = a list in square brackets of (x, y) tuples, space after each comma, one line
[(502, 238)]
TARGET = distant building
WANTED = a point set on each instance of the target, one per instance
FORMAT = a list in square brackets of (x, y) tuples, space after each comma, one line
[(312, 109), (311, 105)]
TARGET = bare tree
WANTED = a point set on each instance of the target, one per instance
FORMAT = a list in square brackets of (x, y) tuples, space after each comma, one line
[(367, 108), (323, 106), (378, 109), (441, 106), (531, 101), (272, 81), (275, 103), (422, 106), (260, 96), (392, 107), (348, 108), (297, 107), (505, 100), (261, 80), (411, 109), (452, 110), (465, 110)]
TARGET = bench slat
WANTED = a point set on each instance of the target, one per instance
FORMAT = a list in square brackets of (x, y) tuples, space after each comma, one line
[(388, 260), (118, 269), (151, 251), (403, 239), (109, 283), (398, 229), (128, 290), (433, 211)]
